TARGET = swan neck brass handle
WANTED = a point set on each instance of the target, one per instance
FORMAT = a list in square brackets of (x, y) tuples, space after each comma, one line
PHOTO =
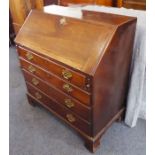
[(29, 56), (35, 81), (31, 69), (66, 74), (69, 103), (67, 88), (63, 21), (38, 95), (70, 118)]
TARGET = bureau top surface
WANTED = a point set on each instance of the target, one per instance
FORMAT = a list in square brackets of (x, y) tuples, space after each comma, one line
[(74, 42)]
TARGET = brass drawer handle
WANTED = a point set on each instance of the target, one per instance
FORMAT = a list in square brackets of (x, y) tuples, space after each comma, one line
[(67, 87), (38, 95), (63, 21), (71, 118), (35, 81), (66, 74), (29, 56), (31, 69), (69, 103)]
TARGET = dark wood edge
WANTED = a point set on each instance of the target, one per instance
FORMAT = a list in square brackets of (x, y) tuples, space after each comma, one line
[(130, 18), (105, 50)]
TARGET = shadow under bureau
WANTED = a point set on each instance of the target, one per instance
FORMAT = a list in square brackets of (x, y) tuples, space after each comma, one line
[(78, 68)]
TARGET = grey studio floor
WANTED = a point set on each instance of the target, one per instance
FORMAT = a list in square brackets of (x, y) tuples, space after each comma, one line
[(35, 131)]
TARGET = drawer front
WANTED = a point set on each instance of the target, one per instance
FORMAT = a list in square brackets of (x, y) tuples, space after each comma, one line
[(61, 111), (64, 73), (56, 82), (60, 97)]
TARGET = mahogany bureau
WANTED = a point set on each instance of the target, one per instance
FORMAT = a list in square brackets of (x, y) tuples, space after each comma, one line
[(78, 68)]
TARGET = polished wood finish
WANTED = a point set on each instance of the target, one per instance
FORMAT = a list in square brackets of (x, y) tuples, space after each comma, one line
[(114, 67), (113, 3), (135, 4), (20, 9), (77, 79), (104, 2), (58, 95), (104, 17), (79, 94), (97, 48), (86, 2), (67, 2), (58, 109), (82, 58), (50, 2)]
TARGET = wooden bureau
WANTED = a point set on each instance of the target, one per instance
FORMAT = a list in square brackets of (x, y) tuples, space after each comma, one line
[(78, 68)]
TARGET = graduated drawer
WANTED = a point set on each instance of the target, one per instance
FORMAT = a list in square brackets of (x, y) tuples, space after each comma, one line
[(59, 70), (58, 109), (74, 91), (59, 96)]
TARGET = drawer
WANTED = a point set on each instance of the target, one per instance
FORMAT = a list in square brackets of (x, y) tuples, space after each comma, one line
[(61, 71), (74, 91), (59, 96), (59, 110)]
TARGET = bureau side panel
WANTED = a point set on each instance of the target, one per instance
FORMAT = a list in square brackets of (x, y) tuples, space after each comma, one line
[(110, 83)]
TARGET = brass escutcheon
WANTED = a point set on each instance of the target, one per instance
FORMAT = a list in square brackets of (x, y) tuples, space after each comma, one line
[(69, 103), (38, 95), (70, 118), (35, 81), (29, 56), (31, 69), (66, 74), (67, 87)]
